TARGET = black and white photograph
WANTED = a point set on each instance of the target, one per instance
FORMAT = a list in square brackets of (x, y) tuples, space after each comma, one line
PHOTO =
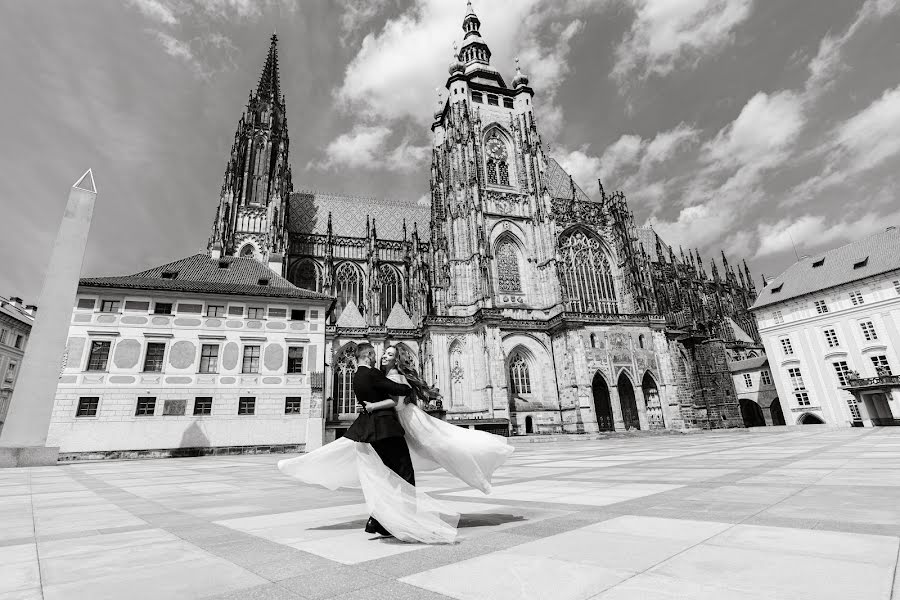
[(450, 299)]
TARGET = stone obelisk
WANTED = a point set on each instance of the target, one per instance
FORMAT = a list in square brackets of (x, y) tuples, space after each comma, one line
[(23, 441)]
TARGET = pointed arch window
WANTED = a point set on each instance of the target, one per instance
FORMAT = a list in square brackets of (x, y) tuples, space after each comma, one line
[(391, 289), (492, 171), (508, 275), (348, 286), (585, 274), (519, 378), (496, 150), (345, 367), (307, 275)]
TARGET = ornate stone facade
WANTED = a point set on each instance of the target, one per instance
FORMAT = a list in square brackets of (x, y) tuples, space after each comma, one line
[(533, 307)]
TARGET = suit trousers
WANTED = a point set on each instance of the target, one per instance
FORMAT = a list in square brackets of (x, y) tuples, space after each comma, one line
[(394, 454)]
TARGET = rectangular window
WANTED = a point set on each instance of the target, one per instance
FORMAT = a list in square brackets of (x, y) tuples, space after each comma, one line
[(153, 362), (748, 381), (203, 405), (868, 331), (20, 341), (215, 311), (190, 308), (313, 314), (295, 359), (137, 305), (298, 315), (856, 298), (507, 103), (766, 378), (821, 307), (777, 317), (111, 306), (292, 405), (842, 371), (492, 100), (799, 387), (277, 313), (897, 287), (254, 312), (786, 346), (882, 368), (251, 360), (209, 358), (162, 308), (247, 405), (86, 303), (236, 311), (99, 356), (146, 406), (477, 97), (831, 338), (87, 406), (10, 372), (174, 408)]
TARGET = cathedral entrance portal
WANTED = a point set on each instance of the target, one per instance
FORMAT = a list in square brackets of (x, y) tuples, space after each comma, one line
[(602, 406), (629, 404), (654, 406)]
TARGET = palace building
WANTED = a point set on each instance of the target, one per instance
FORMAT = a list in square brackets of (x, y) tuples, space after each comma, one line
[(532, 306)]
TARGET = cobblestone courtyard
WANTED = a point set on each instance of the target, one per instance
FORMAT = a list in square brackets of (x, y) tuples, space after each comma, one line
[(810, 513)]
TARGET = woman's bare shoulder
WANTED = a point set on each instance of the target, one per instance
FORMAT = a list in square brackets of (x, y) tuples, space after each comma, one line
[(397, 377)]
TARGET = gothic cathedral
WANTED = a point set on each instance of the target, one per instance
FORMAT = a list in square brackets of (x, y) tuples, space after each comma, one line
[(533, 307)]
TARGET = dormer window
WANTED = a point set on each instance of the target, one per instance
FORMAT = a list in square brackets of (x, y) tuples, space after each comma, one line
[(224, 264), (819, 263), (263, 281), (777, 288), (861, 263), (169, 274)]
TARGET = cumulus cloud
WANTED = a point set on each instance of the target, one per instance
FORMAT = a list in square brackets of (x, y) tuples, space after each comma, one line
[(365, 147), (156, 10), (812, 232), (667, 33)]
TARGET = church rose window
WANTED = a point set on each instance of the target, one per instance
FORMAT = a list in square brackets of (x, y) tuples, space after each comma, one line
[(518, 375), (349, 287), (508, 267), (391, 289), (585, 273)]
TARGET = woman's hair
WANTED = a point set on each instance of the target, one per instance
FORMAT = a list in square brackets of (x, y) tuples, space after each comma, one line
[(403, 363)]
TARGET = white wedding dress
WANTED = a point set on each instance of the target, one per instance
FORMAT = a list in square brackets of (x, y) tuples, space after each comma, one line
[(404, 510)]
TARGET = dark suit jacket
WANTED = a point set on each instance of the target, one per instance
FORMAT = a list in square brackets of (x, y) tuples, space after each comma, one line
[(371, 385)]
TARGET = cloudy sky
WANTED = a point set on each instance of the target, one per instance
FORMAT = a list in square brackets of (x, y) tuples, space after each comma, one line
[(747, 125)]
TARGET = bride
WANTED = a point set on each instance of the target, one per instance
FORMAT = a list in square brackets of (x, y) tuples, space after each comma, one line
[(408, 513)]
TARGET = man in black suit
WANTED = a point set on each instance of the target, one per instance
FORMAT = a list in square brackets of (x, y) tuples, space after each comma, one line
[(378, 425)]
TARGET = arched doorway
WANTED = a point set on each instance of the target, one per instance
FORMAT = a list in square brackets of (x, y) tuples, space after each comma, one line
[(775, 411), (752, 413), (602, 406), (629, 404), (654, 407), (810, 419), (529, 425)]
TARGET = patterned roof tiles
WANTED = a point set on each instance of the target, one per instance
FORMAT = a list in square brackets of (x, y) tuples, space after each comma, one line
[(200, 273), (836, 268), (309, 214), (559, 184)]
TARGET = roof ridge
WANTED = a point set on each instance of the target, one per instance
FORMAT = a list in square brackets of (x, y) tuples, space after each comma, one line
[(374, 199)]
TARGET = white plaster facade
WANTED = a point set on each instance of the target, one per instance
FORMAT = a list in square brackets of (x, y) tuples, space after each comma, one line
[(16, 320), (125, 377)]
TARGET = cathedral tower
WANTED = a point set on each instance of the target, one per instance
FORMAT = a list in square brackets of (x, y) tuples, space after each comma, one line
[(486, 186), (252, 214)]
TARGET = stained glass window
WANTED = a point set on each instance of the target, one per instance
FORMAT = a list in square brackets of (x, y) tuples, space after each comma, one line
[(308, 276), (492, 171), (585, 274), (348, 284), (343, 393), (518, 375), (508, 267), (503, 170), (391, 289)]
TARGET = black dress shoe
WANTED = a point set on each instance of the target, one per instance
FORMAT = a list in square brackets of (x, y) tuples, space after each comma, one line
[(373, 526)]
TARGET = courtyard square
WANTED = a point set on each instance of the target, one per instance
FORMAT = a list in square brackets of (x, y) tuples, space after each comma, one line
[(804, 513)]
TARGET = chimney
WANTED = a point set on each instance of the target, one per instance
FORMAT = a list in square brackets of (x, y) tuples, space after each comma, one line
[(216, 252), (30, 309), (275, 262)]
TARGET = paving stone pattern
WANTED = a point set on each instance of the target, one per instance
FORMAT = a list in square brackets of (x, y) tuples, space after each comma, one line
[(808, 513)]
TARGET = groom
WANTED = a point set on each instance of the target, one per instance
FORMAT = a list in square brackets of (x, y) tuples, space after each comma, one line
[(379, 425)]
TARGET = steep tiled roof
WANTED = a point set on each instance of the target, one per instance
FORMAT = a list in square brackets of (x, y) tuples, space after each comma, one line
[(559, 184), (748, 364), (738, 332), (309, 214), (647, 236), (202, 274), (876, 254)]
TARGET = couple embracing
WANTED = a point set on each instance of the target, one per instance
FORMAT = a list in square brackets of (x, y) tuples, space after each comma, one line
[(391, 441)]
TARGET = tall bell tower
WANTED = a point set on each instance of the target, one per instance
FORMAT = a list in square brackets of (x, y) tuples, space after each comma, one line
[(486, 179), (251, 220)]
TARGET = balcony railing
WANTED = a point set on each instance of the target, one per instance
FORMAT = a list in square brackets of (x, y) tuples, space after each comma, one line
[(882, 381)]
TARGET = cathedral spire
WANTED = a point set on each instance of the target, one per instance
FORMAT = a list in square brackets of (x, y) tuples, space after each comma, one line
[(269, 86), (474, 49)]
